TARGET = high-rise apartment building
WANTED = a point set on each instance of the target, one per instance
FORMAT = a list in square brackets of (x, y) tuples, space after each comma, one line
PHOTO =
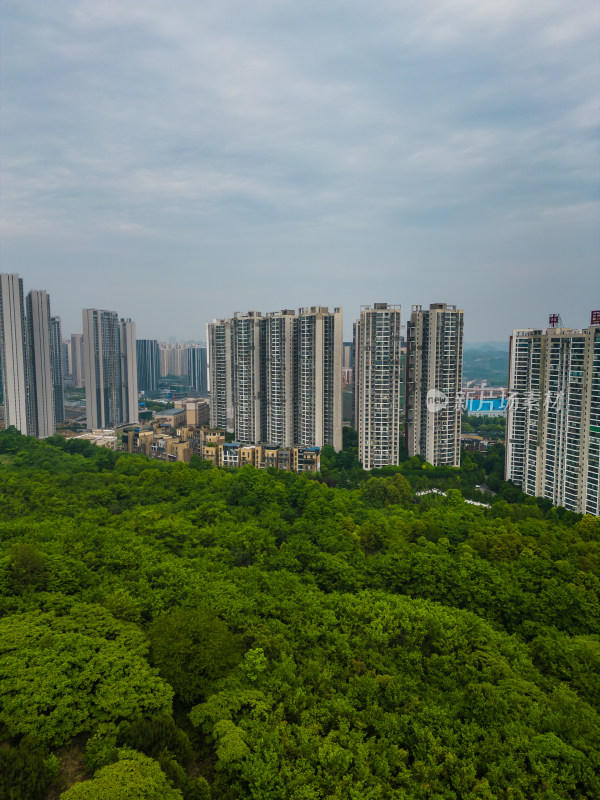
[(58, 368), (318, 354), (66, 359), (40, 392), (219, 374), (378, 384), (553, 418), (173, 359), (197, 368), (12, 344), (31, 358), (77, 361), (278, 377), (246, 365), (110, 369), (433, 383), (148, 365), (129, 387)]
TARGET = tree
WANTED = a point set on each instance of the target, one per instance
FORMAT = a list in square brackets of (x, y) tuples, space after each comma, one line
[(63, 675), (27, 568), (192, 648), (133, 777)]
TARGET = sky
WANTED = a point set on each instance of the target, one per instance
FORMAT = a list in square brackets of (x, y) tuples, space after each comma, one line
[(179, 161)]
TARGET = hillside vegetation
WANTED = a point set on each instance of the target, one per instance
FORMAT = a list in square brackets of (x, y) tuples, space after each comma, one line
[(182, 632)]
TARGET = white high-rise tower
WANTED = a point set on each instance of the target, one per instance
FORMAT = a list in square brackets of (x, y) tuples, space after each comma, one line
[(12, 343), (434, 340)]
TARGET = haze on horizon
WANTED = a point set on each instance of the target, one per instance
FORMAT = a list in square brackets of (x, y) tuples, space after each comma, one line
[(177, 162)]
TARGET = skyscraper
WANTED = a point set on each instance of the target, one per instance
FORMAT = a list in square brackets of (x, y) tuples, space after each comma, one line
[(66, 359), (173, 359), (553, 419), (110, 369), (318, 385), (40, 394), (77, 361), (58, 368), (197, 368), (378, 384), (219, 374), (246, 365), (434, 381), (278, 392), (278, 378), (129, 387), (148, 365), (12, 343)]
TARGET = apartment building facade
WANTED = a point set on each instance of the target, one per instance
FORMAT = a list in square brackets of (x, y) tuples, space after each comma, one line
[(378, 384), (110, 369), (13, 349), (277, 378), (434, 341), (148, 365), (59, 368), (553, 416)]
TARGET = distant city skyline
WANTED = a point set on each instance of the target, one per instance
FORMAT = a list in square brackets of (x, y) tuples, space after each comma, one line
[(181, 162)]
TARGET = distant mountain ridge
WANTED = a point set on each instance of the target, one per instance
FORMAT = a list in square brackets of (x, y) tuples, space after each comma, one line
[(486, 346)]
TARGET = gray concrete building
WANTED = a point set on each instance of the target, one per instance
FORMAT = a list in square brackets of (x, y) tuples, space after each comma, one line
[(197, 368), (40, 392), (58, 368), (148, 365), (77, 361), (110, 369)]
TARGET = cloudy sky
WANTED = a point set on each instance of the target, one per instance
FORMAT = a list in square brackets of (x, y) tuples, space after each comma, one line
[(178, 161)]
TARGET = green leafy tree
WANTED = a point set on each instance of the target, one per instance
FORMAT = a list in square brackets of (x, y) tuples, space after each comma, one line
[(62, 675), (27, 568), (133, 777), (26, 771), (192, 648)]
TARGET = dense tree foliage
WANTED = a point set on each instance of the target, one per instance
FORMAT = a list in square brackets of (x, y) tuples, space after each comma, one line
[(194, 633)]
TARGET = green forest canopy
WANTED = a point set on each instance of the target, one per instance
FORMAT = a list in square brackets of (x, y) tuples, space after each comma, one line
[(195, 633)]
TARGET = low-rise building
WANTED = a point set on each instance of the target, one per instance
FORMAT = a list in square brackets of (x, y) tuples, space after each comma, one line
[(105, 437), (170, 419)]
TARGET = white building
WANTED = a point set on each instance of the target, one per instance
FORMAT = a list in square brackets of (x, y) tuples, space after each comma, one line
[(12, 343), (434, 380), (277, 378), (318, 369), (378, 384), (218, 336), (553, 420), (278, 389), (31, 359)]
